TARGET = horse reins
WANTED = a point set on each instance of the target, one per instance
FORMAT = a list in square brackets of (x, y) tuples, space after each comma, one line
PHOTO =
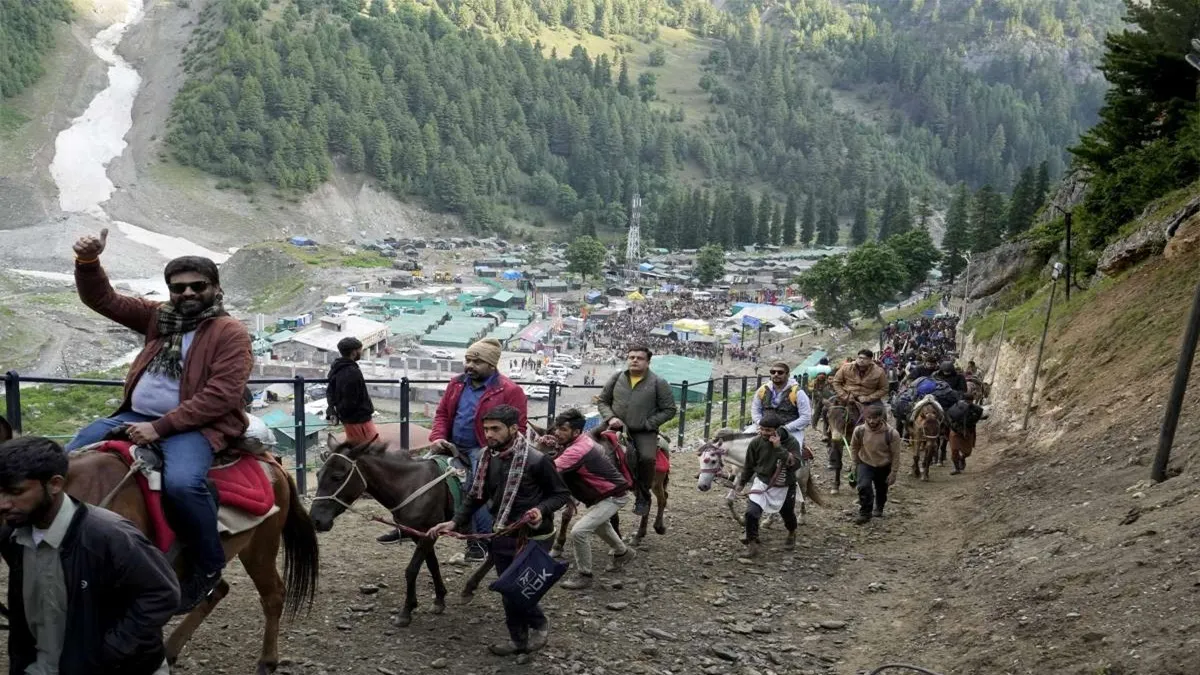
[(355, 471)]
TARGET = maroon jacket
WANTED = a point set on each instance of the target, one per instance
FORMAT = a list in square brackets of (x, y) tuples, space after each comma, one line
[(589, 475), (501, 392), (215, 372)]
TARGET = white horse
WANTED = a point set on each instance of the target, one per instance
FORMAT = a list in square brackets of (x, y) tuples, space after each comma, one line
[(728, 448)]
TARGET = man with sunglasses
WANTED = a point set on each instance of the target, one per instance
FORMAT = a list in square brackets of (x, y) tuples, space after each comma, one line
[(183, 392), (784, 397)]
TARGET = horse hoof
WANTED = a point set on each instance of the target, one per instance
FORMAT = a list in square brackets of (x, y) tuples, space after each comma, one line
[(660, 529), (556, 552), (403, 619), (266, 668), (925, 477), (439, 606)]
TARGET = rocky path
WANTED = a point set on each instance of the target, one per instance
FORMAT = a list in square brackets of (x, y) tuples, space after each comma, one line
[(849, 599)]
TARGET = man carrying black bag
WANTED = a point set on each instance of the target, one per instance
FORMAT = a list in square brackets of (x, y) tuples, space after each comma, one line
[(519, 485)]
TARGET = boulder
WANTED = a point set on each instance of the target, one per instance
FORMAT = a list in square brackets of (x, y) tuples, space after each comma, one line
[(1147, 240), (1069, 194), (992, 270)]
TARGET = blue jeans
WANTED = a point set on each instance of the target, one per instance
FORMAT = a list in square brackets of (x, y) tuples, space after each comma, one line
[(481, 522), (187, 458)]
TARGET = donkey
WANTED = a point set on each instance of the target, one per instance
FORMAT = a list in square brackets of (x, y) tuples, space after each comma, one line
[(925, 434)]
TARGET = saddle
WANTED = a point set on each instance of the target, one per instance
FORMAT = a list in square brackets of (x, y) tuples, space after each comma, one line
[(240, 485)]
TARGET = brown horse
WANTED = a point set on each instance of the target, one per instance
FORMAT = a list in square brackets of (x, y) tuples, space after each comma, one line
[(389, 435), (395, 480), (925, 434), (94, 475)]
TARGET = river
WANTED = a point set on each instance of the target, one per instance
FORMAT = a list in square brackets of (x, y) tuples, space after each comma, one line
[(83, 151)]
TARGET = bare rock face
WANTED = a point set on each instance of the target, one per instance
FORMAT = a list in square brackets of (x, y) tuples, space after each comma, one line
[(1148, 240), (990, 271), (1069, 194)]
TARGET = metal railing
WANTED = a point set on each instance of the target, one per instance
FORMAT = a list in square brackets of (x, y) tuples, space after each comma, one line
[(720, 391)]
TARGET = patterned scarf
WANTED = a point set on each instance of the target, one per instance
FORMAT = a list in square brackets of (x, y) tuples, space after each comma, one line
[(519, 452), (172, 325)]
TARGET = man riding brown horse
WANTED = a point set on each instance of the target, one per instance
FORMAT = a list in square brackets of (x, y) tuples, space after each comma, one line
[(857, 385), (183, 392)]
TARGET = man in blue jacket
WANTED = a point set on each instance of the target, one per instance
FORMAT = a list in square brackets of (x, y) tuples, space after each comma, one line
[(78, 571)]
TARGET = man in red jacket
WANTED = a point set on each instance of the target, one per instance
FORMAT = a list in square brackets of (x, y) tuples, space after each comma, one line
[(459, 418), (183, 392)]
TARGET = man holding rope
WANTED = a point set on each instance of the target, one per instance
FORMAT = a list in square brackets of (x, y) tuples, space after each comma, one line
[(520, 487), (771, 463)]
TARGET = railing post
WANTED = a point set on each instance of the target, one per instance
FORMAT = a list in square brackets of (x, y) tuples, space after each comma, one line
[(552, 405), (724, 401), (299, 430), (742, 415), (683, 401), (12, 399), (405, 412), (708, 395)]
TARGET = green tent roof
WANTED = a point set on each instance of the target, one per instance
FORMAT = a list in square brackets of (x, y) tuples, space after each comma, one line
[(676, 369)]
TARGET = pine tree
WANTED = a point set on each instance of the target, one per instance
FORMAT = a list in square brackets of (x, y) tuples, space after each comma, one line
[(789, 222), (762, 235), (987, 220), (1041, 190), (829, 225), (861, 227), (776, 225), (958, 233), (623, 84), (807, 229), (889, 209), (1022, 204)]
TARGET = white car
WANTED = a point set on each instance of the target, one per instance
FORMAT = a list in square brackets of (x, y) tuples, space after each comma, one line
[(568, 360), (536, 392), (441, 354), (558, 369), (551, 377)]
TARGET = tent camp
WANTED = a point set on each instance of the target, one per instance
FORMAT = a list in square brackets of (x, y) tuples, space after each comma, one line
[(775, 314), (283, 425), (679, 369)]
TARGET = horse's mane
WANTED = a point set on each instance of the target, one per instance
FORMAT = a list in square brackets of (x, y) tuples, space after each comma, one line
[(723, 435)]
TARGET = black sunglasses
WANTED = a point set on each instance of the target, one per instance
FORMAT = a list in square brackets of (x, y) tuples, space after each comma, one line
[(779, 372), (196, 286)]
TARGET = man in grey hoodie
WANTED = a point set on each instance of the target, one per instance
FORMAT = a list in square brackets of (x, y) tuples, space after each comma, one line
[(639, 401)]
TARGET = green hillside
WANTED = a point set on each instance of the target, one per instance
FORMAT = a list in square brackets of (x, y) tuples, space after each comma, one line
[(553, 112)]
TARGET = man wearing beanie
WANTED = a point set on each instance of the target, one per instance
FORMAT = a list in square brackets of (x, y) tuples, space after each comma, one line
[(459, 418), (184, 392)]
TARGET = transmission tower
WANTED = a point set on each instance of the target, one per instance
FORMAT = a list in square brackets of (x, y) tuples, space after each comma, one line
[(633, 245)]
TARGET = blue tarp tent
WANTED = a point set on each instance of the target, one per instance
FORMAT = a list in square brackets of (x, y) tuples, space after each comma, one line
[(301, 241), (645, 267), (593, 296), (510, 275)]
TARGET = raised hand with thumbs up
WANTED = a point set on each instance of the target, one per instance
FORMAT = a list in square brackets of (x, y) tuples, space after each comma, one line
[(89, 248)]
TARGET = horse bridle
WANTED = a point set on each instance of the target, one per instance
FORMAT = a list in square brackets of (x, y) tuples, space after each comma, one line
[(717, 451), (336, 496)]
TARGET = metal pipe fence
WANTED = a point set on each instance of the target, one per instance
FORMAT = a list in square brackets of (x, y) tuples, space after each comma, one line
[(692, 425)]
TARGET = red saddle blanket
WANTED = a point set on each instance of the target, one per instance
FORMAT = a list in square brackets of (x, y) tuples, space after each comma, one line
[(662, 461), (241, 485)]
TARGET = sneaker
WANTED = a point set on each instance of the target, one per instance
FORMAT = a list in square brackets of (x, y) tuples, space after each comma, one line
[(196, 589), (578, 582), (752, 549), (877, 513), (790, 543), (392, 537), (835, 490), (508, 648), (539, 638), (475, 554), (620, 560), (862, 519)]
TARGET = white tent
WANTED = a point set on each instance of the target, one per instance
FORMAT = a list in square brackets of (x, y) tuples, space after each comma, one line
[(765, 313)]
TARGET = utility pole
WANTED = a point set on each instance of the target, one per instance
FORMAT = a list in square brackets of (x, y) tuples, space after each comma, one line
[(1058, 267), (1067, 216)]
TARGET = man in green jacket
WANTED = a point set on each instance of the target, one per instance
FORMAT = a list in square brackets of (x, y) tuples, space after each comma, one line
[(639, 402), (771, 463)]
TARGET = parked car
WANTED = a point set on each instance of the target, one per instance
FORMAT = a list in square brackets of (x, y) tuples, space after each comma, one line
[(441, 354), (568, 360), (536, 392)]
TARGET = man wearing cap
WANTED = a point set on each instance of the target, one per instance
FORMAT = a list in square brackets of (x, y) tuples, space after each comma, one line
[(785, 398), (347, 394), (458, 421), (183, 392)]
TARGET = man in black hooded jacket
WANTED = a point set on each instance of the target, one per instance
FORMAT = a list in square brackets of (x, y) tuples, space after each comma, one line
[(347, 394)]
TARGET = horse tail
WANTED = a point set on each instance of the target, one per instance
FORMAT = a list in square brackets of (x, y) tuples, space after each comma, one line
[(811, 491), (301, 555)]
